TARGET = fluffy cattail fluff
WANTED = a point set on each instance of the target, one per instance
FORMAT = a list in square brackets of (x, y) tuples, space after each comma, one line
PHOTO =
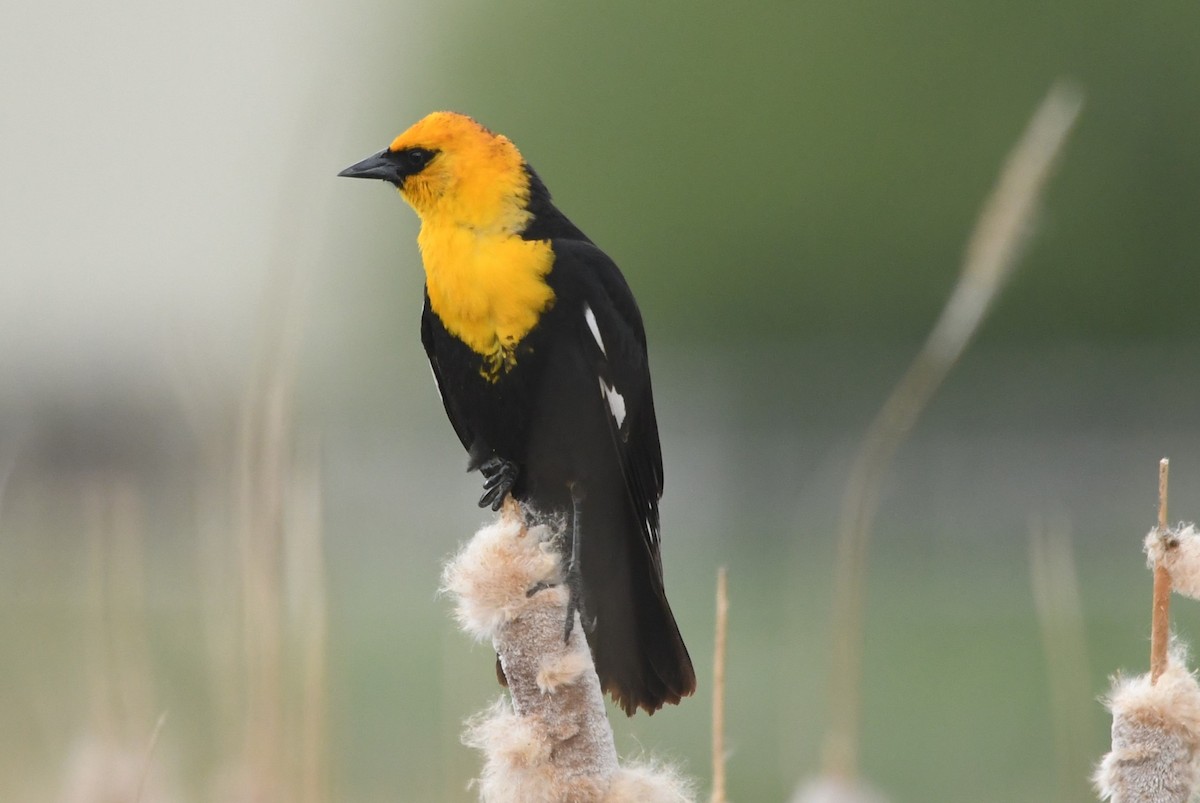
[(828, 789), (1155, 736), (1178, 550), (552, 742)]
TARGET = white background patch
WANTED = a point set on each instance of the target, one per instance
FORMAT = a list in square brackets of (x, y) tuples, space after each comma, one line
[(436, 385)]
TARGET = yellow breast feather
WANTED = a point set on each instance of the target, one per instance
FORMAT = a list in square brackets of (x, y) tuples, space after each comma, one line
[(489, 290)]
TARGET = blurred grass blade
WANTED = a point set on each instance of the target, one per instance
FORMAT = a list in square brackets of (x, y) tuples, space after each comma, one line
[(719, 663), (990, 257), (1060, 619)]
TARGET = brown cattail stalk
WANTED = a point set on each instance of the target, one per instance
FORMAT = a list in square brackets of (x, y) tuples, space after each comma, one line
[(718, 723), (551, 741), (1155, 737), (1160, 620), (1155, 756)]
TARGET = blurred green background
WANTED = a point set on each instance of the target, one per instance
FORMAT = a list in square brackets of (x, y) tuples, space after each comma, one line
[(208, 341)]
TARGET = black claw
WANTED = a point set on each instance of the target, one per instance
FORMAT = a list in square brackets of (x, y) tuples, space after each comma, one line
[(492, 498), (574, 579), (572, 607), (499, 476), (575, 605), (574, 583)]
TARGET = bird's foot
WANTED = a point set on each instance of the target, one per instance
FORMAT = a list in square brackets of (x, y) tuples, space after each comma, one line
[(539, 587), (574, 583), (574, 579), (499, 476)]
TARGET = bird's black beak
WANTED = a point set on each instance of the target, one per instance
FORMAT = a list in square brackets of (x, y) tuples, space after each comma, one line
[(381, 165)]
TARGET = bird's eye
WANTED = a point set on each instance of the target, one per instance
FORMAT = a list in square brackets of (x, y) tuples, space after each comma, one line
[(417, 158)]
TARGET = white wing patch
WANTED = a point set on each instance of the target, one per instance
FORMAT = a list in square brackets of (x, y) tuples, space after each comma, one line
[(590, 317), (616, 402)]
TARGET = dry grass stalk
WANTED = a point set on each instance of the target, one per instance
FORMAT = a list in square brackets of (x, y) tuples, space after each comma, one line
[(718, 725), (309, 630), (112, 759), (1160, 619), (146, 763), (552, 741), (990, 257), (276, 691), (837, 790), (1060, 619), (119, 663), (264, 459)]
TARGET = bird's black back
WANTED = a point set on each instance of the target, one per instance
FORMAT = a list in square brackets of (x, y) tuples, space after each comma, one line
[(547, 222)]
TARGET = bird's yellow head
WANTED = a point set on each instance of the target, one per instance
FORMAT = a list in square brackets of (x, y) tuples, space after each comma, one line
[(471, 189), (452, 170)]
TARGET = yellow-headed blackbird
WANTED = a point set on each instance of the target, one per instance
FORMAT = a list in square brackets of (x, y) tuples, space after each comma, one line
[(539, 354)]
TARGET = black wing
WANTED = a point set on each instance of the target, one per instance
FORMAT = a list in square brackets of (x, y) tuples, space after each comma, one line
[(610, 325), (640, 656)]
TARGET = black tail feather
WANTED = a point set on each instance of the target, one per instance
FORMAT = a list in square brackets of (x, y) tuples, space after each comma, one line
[(639, 653)]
